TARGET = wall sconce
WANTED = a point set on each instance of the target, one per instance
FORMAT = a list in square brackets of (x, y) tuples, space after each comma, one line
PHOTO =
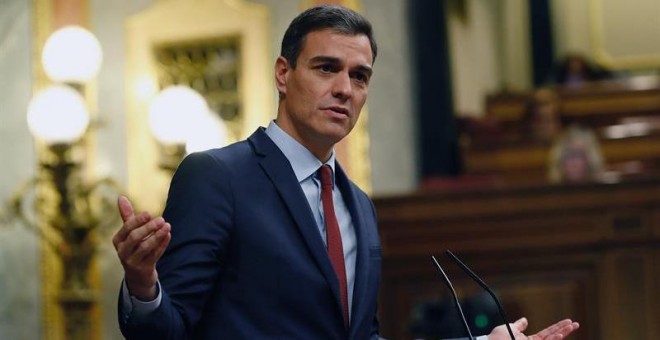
[(181, 121), (68, 211)]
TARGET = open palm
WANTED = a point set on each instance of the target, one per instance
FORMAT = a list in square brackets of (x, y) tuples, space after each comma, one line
[(556, 331)]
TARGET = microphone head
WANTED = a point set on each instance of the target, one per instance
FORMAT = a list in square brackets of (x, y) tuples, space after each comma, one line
[(481, 313)]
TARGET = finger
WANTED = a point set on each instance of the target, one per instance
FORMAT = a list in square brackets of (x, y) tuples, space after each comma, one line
[(521, 324), (163, 236), (568, 329), (555, 328), (148, 253), (128, 217), (137, 236), (147, 249), (129, 225), (125, 208)]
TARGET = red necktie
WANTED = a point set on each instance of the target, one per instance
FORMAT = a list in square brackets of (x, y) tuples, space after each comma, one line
[(335, 248)]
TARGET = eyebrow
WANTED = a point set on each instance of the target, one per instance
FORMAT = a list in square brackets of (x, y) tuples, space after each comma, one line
[(334, 60)]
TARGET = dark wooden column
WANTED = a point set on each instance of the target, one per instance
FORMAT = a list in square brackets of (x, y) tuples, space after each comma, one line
[(541, 41), (437, 137)]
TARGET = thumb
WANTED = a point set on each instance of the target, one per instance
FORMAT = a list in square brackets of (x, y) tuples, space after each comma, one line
[(125, 208), (521, 324)]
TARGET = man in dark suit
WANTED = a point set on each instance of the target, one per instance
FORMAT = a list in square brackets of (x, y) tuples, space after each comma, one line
[(268, 238)]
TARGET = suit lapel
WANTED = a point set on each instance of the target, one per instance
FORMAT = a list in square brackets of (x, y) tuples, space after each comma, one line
[(362, 261), (278, 169)]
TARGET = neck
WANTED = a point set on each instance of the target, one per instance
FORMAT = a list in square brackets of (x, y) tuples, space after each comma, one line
[(322, 151)]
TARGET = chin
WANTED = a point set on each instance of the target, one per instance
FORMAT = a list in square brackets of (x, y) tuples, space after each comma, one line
[(336, 131), (332, 138)]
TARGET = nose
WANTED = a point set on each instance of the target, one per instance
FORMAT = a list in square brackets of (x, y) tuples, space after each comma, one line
[(342, 87)]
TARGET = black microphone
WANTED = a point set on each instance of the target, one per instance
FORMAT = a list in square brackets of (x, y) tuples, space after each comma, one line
[(484, 286), (453, 293)]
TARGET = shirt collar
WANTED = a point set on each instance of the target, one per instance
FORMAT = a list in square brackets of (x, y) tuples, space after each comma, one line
[(303, 162)]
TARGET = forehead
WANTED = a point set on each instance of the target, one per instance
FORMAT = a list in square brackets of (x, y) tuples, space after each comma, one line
[(331, 43)]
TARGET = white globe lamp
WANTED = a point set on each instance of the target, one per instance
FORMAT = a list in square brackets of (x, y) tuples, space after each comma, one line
[(174, 114), (58, 115), (72, 54)]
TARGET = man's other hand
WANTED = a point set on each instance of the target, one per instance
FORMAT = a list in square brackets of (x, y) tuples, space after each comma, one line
[(559, 330), (140, 242)]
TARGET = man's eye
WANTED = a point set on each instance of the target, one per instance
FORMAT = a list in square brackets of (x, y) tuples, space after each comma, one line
[(325, 68), (361, 77)]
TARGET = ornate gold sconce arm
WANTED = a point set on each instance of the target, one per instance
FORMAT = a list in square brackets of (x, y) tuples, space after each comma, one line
[(70, 215)]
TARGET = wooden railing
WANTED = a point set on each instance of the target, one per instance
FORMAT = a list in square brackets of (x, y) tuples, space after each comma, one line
[(595, 104)]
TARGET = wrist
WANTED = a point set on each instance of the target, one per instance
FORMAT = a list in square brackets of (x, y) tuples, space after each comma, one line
[(142, 291), (143, 294)]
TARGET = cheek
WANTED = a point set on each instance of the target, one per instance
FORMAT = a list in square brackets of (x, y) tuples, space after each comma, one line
[(359, 100), (308, 93), (299, 98)]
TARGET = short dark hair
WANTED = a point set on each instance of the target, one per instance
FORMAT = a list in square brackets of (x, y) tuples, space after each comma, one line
[(337, 18)]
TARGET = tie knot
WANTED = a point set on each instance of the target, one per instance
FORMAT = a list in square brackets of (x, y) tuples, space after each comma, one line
[(326, 176)]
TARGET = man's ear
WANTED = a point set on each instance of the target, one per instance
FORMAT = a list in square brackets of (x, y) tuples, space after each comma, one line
[(282, 69)]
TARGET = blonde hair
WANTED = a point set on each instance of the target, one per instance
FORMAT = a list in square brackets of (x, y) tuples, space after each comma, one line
[(576, 141)]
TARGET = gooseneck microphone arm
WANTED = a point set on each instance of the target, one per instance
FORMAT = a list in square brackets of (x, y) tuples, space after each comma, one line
[(484, 286), (453, 293)]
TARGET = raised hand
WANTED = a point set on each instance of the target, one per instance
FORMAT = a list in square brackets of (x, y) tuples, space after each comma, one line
[(556, 331), (140, 242)]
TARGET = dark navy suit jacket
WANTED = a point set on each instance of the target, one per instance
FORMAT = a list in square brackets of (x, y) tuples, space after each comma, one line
[(246, 260)]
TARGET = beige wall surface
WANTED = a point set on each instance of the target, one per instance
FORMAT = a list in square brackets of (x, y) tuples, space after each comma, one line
[(626, 34), (392, 119), (630, 28), (571, 27), (474, 42), (622, 35), (516, 61), (19, 268), (489, 49)]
